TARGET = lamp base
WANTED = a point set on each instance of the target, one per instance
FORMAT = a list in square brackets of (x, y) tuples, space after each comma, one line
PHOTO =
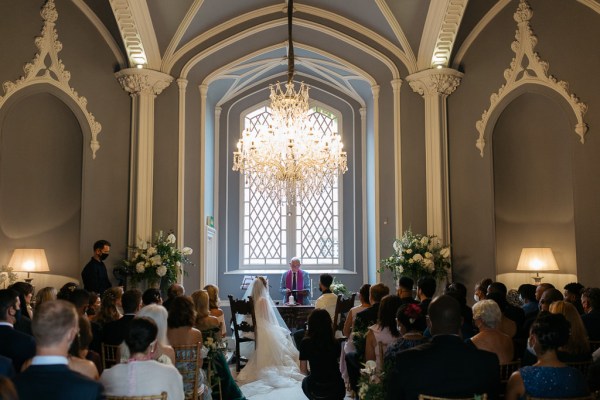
[(537, 279)]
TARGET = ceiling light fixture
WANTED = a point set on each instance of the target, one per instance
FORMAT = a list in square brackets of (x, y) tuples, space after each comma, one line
[(287, 159)]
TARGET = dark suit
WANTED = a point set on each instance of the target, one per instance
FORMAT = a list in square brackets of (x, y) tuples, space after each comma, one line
[(16, 345), (425, 306), (367, 317), (58, 382), (116, 331), (6, 367), (95, 277), (446, 367), (591, 321)]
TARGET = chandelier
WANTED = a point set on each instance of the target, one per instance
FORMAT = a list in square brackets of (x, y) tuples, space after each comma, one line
[(288, 160)]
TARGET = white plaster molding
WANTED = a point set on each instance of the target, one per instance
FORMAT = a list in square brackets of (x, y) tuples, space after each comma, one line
[(363, 144), (435, 85), (37, 72), (534, 72), (181, 29), (441, 26), (396, 86), (182, 84), (375, 90), (143, 81), (202, 151), (593, 4), (137, 32), (397, 29)]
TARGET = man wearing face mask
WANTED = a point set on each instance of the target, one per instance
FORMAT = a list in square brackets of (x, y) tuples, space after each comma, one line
[(94, 275), (15, 345)]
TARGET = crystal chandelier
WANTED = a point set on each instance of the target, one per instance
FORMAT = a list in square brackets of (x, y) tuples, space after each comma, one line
[(288, 160)]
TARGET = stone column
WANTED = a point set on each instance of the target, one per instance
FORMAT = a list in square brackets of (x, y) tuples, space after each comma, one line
[(435, 85), (143, 85), (396, 85)]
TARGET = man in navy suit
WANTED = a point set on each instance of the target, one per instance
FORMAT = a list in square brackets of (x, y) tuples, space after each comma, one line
[(17, 346), (55, 325), (446, 366), (115, 332)]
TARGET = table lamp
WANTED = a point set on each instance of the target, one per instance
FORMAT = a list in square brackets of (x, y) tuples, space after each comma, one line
[(29, 260), (537, 259)]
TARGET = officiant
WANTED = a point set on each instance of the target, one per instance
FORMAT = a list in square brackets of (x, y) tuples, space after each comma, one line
[(296, 283)]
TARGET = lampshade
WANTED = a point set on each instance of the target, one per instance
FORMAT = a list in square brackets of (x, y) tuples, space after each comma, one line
[(537, 259), (29, 260)]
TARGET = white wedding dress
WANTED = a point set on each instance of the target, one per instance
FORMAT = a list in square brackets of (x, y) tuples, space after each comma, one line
[(274, 363)]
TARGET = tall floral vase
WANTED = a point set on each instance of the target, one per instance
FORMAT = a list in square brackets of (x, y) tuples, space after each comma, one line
[(154, 283)]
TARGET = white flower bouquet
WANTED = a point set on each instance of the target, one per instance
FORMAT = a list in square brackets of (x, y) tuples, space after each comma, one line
[(160, 260), (418, 256)]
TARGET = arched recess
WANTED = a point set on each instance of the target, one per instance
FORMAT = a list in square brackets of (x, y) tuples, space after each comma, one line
[(533, 185), (41, 177)]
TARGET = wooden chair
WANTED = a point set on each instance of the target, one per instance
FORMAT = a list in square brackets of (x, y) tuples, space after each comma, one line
[(583, 366), (594, 345), (110, 355), (162, 396), (242, 308), (187, 362), (507, 369), (476, 397), (342, 308)]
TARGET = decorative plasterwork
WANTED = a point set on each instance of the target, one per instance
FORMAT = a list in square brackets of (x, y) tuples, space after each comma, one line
[(440, 81), (527, 68), (137, 32), (439, 34), (143, 81), (37, 72)]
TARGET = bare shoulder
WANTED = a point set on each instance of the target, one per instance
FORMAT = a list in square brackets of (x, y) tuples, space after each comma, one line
[(216, 312)]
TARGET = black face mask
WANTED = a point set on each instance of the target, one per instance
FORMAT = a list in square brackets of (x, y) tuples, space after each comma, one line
[(103, 256)]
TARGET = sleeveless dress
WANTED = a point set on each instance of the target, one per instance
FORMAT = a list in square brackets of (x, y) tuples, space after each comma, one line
[(553, 382), (381, 336)]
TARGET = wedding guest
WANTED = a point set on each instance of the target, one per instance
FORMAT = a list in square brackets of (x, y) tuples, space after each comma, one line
[(204, 321), (25, 290), (16, 345), (319, 352), (142, 375), (23, 320), (151, 296), (45, 294), (295, 282), (411, 324), (55, 326), (405, 289), (79, 349), (385, 331), (572, 293), (549, 377), (213, 306), (459, 292), (514, 299), (549, 296), (7, 389), (115, 332), (481, 289), (363, 298), (487, 317), (93, 306), (80, 298), (175, 290), (65, 291), (109, 307), (94, 275), (530, 304), (577, 347), (327, 301), (506, 324), (541, 288), (6, 367), (425, 291), (590, 299), (510, 311)]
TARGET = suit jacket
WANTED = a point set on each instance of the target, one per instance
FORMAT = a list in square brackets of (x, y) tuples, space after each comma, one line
[(6, 367), (305, 286), (591, 321), (116, 331), (16, 345), (95, 277), (367, 317), (50, 382), (445, 367), (425, 306)]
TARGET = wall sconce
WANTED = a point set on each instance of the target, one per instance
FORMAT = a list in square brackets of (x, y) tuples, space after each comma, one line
[(537, 259), (29, 260)]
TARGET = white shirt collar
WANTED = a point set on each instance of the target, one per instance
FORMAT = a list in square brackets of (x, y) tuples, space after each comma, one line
[(49, 360), (6, 323)]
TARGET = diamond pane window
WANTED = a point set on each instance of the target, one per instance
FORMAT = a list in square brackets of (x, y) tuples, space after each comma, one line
[(273, 232)]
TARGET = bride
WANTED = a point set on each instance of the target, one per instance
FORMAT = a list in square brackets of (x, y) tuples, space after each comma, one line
[(275, 362)]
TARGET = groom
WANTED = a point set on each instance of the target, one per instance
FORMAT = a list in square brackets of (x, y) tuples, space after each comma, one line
[(296, 282)]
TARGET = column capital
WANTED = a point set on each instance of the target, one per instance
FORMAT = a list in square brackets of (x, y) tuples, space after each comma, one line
[(138, 81), (182, 83), (435, 81), (396, 83), (375, 91)]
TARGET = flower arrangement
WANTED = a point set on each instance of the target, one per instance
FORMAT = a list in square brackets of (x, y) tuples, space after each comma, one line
[(7, 276), (158, 260), (418, 256), (215, 346), (370, 383), (338, 288)]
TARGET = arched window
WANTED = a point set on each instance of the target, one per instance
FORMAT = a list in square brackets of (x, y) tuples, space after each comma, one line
[(274, 232)]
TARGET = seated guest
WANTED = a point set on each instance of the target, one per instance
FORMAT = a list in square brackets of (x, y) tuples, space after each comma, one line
[(319, 352), (510, 311), (590, 299), (109, 307), (45, 294), (363, 298), (213, 306), (405, 290), (481, 288), (55, 326), (446, 366), (6, 367), (65, 291), (151, 296), (79, 351), (93, 306), (487, 317), (548, 377), (530, 304), (115, 332), (175, 290), (16, 345), (24, 290), (7, 389), (425, 291), (572, 292), (385, 331), (204, 321), (164, 352), (549, 296), (80, 298), (411, 324), (541, 288), (142, 375), (577, 347), (459, 292), (327, 300), (506, 325)]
